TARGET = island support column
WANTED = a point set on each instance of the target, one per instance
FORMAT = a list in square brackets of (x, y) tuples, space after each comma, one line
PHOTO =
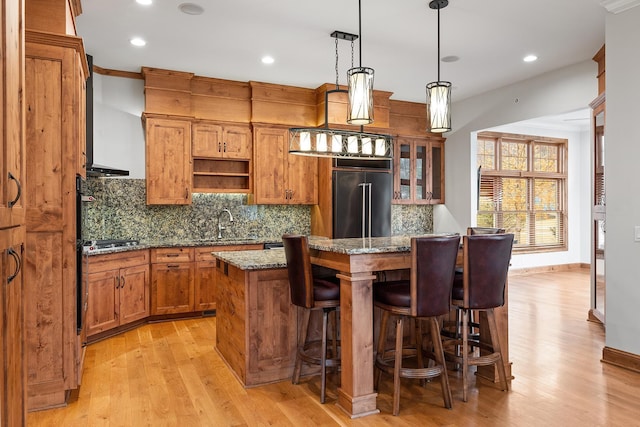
[(356, 395)]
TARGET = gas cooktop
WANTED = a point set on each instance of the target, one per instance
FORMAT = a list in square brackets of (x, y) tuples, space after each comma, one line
[(105, 244)]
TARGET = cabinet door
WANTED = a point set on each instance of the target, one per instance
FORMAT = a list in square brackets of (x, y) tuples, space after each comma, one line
[(103, 301), (236, 142), (134, 293), (302, 178), (168, 171), (402, 171), (12, 117), (12, 329), (420, 172), (172, 288), (207, 140), (205, 285), (269, 165)]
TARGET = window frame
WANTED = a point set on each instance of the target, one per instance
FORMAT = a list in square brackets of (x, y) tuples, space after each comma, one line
[(496, 176)]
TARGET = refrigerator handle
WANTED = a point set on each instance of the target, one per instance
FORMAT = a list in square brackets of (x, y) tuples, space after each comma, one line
[(366, 188)]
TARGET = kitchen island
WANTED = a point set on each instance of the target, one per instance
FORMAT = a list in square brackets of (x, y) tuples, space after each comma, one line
[(253, 308)]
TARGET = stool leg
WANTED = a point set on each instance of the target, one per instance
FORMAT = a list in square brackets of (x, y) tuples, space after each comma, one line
[(465, 354), (495, 343), (398, 365), (439, 355), (382, 339), (302, 338), (323, 355)]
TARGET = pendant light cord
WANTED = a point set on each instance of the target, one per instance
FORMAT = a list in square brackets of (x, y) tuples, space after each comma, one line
[(360, 29), (438, 44)]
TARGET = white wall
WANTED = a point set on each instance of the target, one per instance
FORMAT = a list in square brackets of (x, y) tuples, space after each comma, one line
[(622, 151), (568, 89), (117, 125)]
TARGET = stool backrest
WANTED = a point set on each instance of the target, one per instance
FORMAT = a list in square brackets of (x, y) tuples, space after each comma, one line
[(296, 250), (433, 262), (486, 265), (484, 230)]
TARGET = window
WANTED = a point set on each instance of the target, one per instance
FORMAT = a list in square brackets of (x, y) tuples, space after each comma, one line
[(522, 188)]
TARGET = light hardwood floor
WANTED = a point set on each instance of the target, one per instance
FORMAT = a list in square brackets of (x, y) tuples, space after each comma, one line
[(168, 374)]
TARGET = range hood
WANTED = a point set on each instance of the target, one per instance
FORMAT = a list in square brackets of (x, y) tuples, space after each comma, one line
[(93, 169)]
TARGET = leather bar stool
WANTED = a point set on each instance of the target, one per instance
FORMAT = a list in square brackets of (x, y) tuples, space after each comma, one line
[(426, 296), (312, 294), (486, 265)]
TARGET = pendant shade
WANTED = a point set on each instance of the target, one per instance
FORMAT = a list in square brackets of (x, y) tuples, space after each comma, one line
[(438, 106), (360, 110)]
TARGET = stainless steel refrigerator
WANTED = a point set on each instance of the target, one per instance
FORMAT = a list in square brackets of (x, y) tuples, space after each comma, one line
[(362, 203)]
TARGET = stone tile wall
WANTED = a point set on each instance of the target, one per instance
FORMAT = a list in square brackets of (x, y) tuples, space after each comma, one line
[(120, 212)]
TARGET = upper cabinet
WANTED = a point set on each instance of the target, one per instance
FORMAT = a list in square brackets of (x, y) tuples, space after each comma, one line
[(221, 141), (168, 156), (418, 171), (280, 177)]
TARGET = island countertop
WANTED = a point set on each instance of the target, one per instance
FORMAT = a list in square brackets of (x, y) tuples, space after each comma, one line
[(254, 259)]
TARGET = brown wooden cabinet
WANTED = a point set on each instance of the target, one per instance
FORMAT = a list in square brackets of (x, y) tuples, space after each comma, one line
[(118, 290), (172, 280), (280, 177), (55, 70), (168, 160), (221, 157), (418, 165), (13, 387)]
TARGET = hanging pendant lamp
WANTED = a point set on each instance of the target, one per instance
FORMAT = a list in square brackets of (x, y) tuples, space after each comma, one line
[(439, 92), (360, 85)]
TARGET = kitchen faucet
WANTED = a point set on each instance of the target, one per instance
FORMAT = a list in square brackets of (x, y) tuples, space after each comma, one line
[(220, 227)]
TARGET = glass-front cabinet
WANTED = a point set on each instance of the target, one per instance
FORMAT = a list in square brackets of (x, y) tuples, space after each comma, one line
[(598, 213), (418, 171)]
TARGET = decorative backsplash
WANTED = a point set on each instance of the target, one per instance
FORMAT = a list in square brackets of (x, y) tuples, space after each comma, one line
[(120, 212)]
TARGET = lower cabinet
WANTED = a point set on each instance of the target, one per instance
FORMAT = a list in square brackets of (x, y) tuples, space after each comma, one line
[(118, 290), (172, 278)]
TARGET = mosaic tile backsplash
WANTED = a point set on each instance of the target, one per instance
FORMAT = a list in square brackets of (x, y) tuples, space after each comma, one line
[(120, 212)]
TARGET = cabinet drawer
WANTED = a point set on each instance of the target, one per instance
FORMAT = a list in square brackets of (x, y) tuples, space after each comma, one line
[(204, 253), (117, 260), (164, 255)]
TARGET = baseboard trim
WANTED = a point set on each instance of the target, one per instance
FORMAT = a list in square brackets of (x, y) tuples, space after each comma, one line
[(621, 358), (547, 269)]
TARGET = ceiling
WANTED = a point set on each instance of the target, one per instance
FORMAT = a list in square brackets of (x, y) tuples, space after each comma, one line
[(399, 40)]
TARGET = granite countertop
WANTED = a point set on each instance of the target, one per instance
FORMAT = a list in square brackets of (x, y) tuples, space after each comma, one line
[(367, 245), (149, 244), (254, 259)]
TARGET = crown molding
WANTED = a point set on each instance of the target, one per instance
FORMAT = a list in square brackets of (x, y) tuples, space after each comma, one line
[(617, 6)]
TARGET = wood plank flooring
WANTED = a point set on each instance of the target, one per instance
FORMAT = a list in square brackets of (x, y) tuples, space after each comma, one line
[(169, 374)]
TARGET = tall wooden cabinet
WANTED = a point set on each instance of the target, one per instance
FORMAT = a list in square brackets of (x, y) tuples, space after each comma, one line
[(280, 177), (55, 72), (12, 217)]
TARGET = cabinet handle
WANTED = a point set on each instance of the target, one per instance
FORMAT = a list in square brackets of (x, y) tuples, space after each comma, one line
[(16, 257), (186, 193), (224, 146), (118, 282), (172, 255), (14, 201), (122, 282), (173, 265), (219, 147)]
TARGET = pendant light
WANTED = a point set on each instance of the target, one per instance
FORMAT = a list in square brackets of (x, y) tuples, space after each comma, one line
[(360, 84), (439, 92)]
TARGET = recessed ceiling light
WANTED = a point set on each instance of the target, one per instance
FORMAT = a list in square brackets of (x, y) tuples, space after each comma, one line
[(268, 59), (530, 58), (144, 2), (191, 9), (450, 58), (137, 41)]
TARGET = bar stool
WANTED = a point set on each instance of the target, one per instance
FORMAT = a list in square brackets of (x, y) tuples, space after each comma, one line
[(486, 265), (426, 296), (312, 294)]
